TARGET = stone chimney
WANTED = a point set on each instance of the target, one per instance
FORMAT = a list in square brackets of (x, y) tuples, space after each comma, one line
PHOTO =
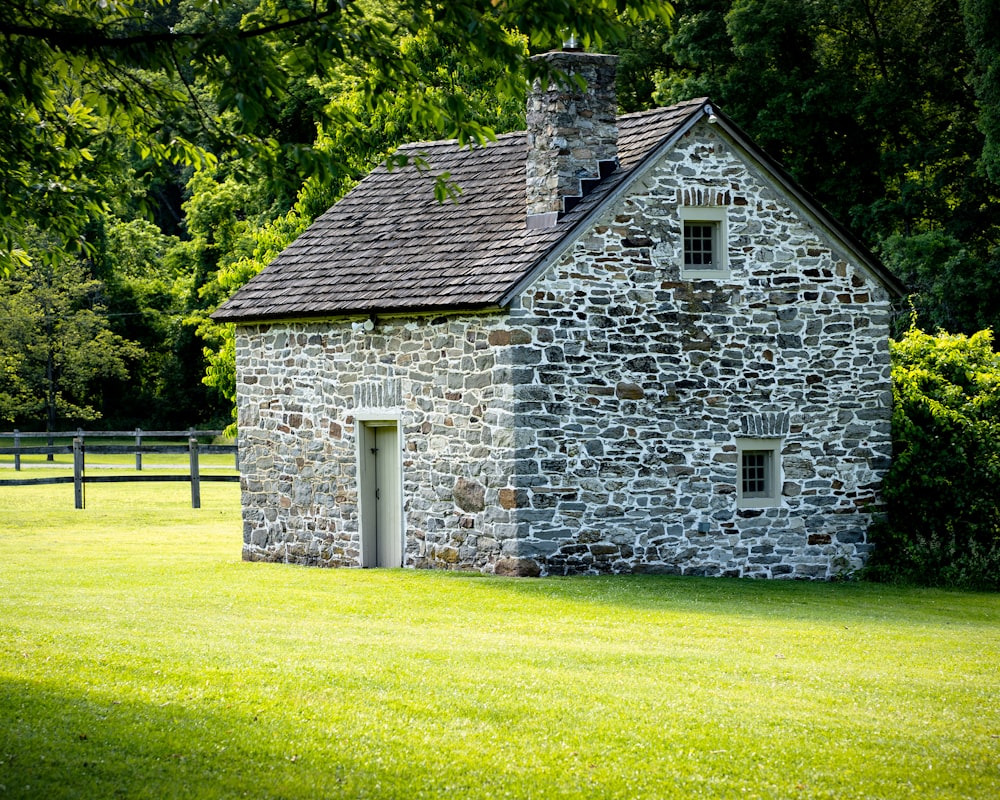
[(572, 134)]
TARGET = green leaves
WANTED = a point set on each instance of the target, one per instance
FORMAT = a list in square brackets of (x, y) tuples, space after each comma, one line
[(192, 81), (943, 489), (982, 21), (56, 346)]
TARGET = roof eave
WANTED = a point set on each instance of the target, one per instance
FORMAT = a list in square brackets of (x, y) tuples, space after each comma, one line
[(354, 313)]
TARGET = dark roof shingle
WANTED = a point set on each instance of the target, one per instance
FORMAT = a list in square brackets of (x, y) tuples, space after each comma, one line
[(388, 245)]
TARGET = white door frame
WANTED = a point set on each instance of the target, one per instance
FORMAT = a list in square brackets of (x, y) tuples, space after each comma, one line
[(373, 546)]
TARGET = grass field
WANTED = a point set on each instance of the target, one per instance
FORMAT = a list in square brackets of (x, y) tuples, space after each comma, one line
[(140, 658)]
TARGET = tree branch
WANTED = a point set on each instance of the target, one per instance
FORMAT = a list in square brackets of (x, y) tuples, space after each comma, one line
[(93, 38)]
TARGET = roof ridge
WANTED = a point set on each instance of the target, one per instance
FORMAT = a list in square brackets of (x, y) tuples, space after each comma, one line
[(454, 142), (684, 104)]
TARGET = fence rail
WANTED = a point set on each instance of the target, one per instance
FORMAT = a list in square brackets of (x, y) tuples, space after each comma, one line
[(79, 448), (35, 481), (80, 432), (19, 449)]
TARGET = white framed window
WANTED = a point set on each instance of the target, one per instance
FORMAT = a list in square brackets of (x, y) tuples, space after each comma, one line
[(704, 242), (758, 473)]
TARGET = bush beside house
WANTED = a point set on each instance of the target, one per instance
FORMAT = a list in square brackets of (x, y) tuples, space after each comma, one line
[(943, 489)]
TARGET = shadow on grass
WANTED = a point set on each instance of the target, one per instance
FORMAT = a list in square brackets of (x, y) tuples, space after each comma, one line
[(77, 744), (72, 745)]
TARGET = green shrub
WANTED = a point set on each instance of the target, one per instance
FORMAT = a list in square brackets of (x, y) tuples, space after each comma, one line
[(943, 489)]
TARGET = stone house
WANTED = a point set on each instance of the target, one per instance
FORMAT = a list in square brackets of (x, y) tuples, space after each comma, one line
[(633, 344)]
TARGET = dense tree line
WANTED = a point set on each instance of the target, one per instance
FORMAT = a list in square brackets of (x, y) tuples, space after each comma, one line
[(170, 148)]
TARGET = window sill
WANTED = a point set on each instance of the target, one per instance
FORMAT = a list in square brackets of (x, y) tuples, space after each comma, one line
[(753, 503), (706, 274)]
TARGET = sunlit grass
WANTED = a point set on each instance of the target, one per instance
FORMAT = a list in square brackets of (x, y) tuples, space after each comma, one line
[(139, 657)]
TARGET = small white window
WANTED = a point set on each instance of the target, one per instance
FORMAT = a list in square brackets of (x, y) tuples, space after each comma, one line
[(758, 473), (700, 248), (704, 242)]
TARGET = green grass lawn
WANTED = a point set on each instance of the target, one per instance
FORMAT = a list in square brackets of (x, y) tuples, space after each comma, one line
[(140, 658)]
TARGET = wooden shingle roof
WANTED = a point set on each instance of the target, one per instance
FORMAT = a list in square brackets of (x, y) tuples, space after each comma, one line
[(390, 246)]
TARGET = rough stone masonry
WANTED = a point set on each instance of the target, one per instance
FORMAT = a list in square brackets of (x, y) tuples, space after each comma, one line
[(592, 425)]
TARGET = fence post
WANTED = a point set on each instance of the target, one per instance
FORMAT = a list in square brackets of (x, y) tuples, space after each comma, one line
[(195, 476), (138, 449), (78, 472), (17, 450)]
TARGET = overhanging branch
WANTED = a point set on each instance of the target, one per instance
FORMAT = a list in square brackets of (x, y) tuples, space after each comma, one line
[(94, 38)]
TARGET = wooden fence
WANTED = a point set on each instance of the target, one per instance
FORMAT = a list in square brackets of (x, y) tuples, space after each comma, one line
[(79, 448)]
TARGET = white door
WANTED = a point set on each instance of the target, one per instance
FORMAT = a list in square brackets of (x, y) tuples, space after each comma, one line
[(381, 499)]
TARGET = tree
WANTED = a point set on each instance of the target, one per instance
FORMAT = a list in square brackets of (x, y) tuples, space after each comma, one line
[(147, 293), (953, 288), (982, 22), (642, 61), (943, 489), (189, 80), (56, 347)]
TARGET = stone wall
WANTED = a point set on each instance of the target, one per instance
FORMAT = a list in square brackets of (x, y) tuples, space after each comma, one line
[(301, 390), (638, 382), (594, 426)]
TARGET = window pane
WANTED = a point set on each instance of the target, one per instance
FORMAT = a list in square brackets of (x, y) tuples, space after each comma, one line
[(755, 463), (698, 238)]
